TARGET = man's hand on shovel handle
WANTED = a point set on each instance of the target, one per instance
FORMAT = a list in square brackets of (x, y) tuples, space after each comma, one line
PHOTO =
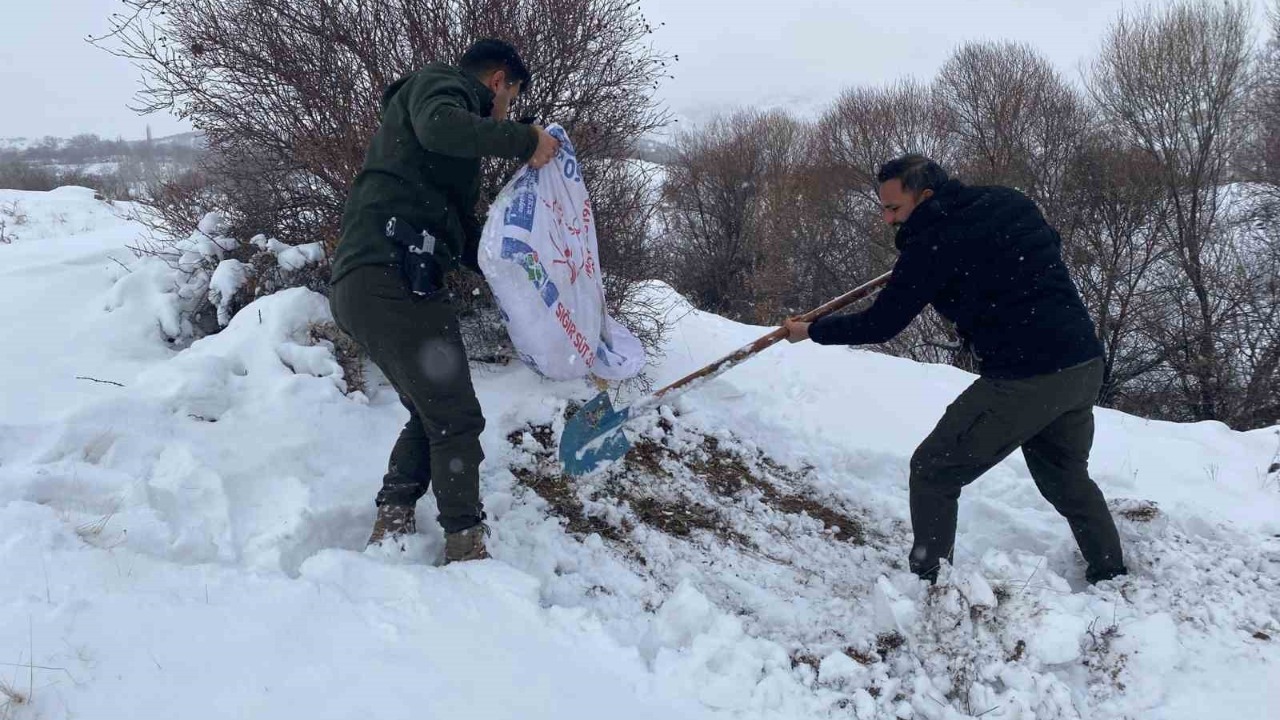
[(796, 330)]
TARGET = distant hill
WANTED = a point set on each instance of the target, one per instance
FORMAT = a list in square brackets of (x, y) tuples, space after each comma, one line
[(93, 148), (118, 168), (653, 150)]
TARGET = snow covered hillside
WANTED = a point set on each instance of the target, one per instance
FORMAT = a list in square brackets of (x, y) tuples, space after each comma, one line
[(182, 530)]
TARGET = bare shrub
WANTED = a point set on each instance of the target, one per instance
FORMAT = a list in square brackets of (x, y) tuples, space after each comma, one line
[(1259, 159), (1174, 83), (346, 351), (720, 199), (1015, 121), (862, 130), (287, 93), (1113, 246), (21, 175)]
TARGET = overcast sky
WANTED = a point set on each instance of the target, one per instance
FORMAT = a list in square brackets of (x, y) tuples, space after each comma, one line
[(796, 53)]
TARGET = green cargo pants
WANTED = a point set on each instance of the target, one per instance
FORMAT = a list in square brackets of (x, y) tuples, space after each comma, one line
[(417, 344), (1051, 418)]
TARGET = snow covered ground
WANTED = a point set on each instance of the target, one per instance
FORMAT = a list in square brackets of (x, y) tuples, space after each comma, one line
[(181, 532)]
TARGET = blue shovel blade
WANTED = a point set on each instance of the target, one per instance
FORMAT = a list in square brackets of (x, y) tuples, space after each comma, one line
[(593, 436)]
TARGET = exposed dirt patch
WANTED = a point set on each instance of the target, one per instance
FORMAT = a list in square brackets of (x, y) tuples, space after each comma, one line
[(557, 489), (676, 516), (564, 503), (798, 659), (727, 473), (345, 350), (1019, 652), (887, 642), (1142, 511), (862, 657)]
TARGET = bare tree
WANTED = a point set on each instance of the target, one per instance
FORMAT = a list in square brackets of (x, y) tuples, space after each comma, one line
[(1260, 158), (1173, 83), (1015, 120), (867, 126), (1254, 334), (1257, 232), (1115, 203), (862, 130), (716, 207), (625, 203), (1250, 334), (287, 93), (294, 87)]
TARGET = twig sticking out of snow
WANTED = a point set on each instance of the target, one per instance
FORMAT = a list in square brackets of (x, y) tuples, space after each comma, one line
[(14, 698), (7, 690), (1273, 470), (104, 382)]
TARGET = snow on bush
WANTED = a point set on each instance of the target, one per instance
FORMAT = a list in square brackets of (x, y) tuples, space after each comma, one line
[(214, 276)]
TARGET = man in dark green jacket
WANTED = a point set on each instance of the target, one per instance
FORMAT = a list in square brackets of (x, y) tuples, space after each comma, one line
[(411, 218)]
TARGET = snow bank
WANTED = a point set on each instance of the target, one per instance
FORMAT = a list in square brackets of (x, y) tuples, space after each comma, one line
[(186, 529), (31, 216)]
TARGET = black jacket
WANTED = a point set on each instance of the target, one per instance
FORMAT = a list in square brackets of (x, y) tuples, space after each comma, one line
[(987, 261)]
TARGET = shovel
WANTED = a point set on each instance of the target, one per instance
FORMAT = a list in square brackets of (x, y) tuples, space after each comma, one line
[(594, 436)]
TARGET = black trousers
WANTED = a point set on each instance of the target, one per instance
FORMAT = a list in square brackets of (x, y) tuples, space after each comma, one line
[(417, 344), (1050, 417)]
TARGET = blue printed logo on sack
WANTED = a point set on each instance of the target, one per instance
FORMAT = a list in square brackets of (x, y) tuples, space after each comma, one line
[(602, 355), (527, 359), (526, 257), (571, 169), (520, 212)]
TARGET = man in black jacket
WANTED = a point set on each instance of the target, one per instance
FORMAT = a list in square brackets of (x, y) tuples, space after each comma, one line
[(986, 260)]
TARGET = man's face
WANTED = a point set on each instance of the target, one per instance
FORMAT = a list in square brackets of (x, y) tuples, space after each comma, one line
[(897, 203), (503, 93)]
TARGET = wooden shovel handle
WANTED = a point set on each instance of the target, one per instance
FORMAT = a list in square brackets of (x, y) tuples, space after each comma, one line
[(847, 299), (741, 354)]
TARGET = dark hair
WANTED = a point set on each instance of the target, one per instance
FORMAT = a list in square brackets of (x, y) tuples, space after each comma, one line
[(487, 55), (915, 172)]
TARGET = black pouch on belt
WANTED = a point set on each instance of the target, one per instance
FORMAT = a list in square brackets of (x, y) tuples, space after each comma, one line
[(418, 263)]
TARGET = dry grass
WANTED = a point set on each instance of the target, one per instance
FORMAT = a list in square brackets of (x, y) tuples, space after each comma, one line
[(680, 519), (345, 350), (800, 658), (93, 532), (1141, 512), (13, 210), (887, 642), (648, 485), (94, 528), (1101, 657), (564, 503), (728, 474), (11, 697), (557, 490)]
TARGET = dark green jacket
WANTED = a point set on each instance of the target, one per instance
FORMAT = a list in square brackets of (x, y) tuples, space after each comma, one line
[(423, 167)]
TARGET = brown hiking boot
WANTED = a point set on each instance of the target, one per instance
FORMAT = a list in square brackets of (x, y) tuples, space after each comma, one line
[(466, 544), (394, 521)]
